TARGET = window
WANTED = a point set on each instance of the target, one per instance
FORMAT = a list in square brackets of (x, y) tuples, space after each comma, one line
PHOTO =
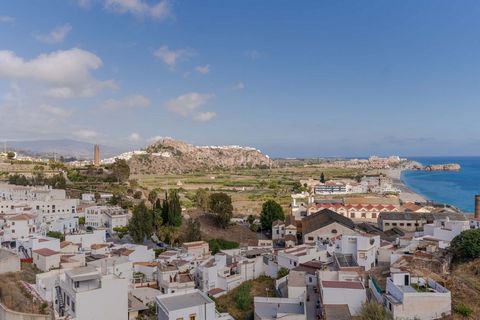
[(387, 223), (409, 224), (68, 300), (334, 231), (374, 215), (402, 224), (13, 223), (364, 215), (77, 284), (73, 306), (193, 317), (394, 224)]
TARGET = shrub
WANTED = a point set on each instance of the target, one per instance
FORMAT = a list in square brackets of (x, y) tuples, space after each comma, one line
[(220, 244), (463, 310), (374, 311), (467, 244), (243, 299), (282, 272)]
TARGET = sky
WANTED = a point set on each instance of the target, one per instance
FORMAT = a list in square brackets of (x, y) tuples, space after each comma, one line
[(292, 78)]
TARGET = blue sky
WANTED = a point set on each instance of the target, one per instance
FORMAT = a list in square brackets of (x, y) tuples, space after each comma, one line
[(293, 78)]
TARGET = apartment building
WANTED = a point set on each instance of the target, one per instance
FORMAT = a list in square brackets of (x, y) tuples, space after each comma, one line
[(106, 217), (364, 249), (175, 278), (408, 297), (18, 226), (84, 293)]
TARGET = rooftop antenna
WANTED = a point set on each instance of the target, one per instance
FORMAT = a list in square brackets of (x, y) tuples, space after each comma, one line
[(5, 146)]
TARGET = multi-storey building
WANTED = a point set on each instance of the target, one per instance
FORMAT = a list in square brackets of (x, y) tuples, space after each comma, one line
[(84, 293)]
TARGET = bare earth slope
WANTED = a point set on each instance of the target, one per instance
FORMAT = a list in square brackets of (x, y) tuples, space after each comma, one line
[(169, 156)]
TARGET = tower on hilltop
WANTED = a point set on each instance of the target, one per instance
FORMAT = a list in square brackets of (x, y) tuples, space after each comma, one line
[(96, 155)]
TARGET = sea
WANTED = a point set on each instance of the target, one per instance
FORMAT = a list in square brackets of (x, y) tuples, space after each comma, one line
[(456, 188)]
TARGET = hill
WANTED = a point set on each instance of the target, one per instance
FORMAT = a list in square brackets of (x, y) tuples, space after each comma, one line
[(61, 147), (169, 156)]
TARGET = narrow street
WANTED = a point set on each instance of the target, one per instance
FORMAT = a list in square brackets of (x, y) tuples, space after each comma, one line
[(311, 305)]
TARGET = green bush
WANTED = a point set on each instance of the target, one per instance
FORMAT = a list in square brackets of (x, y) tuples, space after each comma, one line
[(374, 311), (467, 244), (463, 310), (243, 299), (220, 244), (282, 272)]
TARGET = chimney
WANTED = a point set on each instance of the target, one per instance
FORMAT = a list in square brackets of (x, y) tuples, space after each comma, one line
[(477, 206)]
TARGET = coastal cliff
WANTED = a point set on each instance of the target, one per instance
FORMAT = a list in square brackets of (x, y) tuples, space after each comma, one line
[(443, 167)]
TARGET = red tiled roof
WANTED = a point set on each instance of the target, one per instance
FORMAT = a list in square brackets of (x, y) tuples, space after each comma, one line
[(45, 252), (343, 284)]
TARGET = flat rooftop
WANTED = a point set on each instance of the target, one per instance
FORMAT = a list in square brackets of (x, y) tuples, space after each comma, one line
[(271, 307), (83, 273), (178, 302)]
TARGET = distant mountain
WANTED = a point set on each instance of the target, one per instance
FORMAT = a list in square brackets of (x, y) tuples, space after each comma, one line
[(61, 147), (173, 156)]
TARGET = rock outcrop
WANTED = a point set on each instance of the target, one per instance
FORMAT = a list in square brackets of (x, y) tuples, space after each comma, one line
[(169, 156), (443, 167)]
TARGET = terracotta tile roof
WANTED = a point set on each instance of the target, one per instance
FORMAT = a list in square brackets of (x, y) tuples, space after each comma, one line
[(215, 291), (63, 244), (97, 246), (45, 252), (342, 284), (23, 216)]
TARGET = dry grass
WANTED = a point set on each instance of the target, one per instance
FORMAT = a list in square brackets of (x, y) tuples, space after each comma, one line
[(235, 232), (14, 297), (227, 303)]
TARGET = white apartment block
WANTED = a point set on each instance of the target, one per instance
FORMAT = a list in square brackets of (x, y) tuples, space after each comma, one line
[(175, 279), (119, 266), (106, 217), (351, 293), (190, 305), (63, 225), (364, 249), (409, 297), (18, 226), (10, 192), (444, 230), (86, 239), (84, 293), (293, 257)]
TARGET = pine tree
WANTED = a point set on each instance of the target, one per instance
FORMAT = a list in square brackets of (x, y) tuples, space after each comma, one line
[(322, 178)]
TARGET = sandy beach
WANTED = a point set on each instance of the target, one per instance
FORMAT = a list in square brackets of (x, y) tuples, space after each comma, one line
[(406, 195)]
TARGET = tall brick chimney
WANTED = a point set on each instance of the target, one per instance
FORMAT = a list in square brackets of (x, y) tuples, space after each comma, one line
[(477, 206)]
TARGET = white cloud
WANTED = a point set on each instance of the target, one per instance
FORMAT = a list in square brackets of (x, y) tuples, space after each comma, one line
[(203, 69), (172, 57), (135, 101), (55, 111), (84, 3), (66, 73), (204, 116), (185, 105), (57, 35), (254, 54), (86, 134), (134, 137), (141, 8), (239, 86), (7, 19)]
